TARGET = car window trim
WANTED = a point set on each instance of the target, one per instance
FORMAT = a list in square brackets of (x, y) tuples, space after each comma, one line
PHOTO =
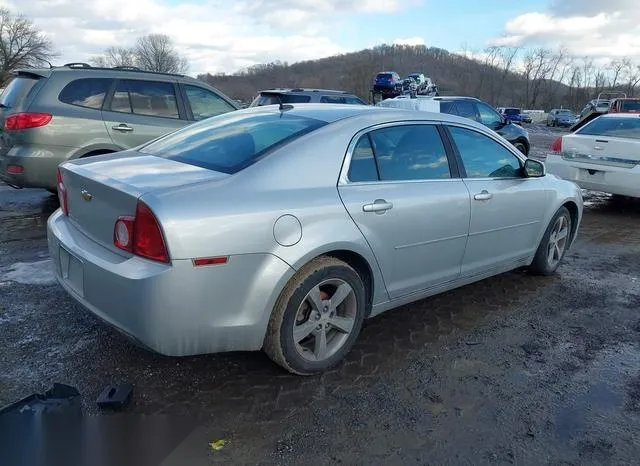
[(463, 169), (343, 179), (181, 111)]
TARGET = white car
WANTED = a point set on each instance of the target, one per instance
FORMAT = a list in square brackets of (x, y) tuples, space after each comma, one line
[(603, 155)]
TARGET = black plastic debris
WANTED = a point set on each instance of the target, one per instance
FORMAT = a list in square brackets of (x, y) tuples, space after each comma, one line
[(60, 399), (115, 396)]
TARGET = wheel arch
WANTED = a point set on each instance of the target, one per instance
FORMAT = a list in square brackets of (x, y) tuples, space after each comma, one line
[(572, 207)]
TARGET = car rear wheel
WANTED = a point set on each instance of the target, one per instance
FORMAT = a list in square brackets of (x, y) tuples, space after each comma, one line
[(317, 317), (554, 244)]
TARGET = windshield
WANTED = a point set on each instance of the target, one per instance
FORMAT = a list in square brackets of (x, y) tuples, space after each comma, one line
[(230, 143), (385, 76), (565, 112), (267, 98), (613, 127), (16, 91), (512, 111)]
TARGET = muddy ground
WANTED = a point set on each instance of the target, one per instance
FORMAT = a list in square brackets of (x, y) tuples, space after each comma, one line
[(515, 369)]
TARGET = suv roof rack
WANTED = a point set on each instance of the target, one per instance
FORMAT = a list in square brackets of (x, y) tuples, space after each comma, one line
[(87, 66)]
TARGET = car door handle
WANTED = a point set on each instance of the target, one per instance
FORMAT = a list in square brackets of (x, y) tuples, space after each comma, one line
[(122, 127), (379, 206), (483, 196)]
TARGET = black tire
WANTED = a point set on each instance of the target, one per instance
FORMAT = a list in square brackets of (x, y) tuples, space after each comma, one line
[(540, 264), (522, 147), (53, 191), (279, 342)]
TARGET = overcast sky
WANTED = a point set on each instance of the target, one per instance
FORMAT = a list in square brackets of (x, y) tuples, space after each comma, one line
[(227, 35)]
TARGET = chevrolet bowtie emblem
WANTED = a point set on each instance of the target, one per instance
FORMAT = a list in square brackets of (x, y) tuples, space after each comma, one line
[(86, 195)]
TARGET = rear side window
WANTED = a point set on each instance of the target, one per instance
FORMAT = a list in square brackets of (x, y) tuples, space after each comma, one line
[(332, 99), (631, 105), (204, 103), (151, 98), (275, 99), (363, 164), (228, 143), (89, 92), (385, 76), (613, 127), (17, 91)]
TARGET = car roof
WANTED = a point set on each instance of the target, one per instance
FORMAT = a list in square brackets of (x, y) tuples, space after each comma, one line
[(455, 97), (85, 67), (300, 90), (620, 115), (331, 113)]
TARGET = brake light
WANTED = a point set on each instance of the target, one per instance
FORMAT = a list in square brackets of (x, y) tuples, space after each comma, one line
[(26, 120), (141, 235), (15, 169), (62, 194), (556, 147)]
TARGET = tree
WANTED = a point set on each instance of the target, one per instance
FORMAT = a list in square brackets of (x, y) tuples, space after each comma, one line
[(22, 44), (115, 56), (156, 52)]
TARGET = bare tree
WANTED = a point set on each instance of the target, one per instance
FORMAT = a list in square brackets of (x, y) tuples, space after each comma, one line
[(115, 56), (156, 52), (616, 67), (22, 44)]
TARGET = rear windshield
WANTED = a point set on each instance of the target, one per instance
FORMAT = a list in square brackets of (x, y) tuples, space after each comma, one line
[(565, 112), (16, 91), (631, 105), (229, 143), (275, 99), (613, 127), (385, 76)]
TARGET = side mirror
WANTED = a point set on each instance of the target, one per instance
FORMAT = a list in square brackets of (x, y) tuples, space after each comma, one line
[(534, 168)]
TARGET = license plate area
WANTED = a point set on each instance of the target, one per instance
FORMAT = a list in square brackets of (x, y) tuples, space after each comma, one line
[(72, 271), (591, 175)]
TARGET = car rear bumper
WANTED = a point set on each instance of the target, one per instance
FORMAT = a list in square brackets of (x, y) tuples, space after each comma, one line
[(176, 309), (39, 164), (595, 177)]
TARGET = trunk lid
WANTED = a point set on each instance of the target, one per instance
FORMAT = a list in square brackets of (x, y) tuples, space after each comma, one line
[(601, 150), (102, 188)]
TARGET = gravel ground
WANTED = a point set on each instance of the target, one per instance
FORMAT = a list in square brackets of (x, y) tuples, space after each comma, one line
[(511, 370)]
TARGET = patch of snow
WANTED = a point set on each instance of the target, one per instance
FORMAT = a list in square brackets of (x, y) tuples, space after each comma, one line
[(31, 273)]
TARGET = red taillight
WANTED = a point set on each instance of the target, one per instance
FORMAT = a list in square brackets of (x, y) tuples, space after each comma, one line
[(15, 169), (26, 120), (62, 194), (201, 261), (556, 147), (141, 235)]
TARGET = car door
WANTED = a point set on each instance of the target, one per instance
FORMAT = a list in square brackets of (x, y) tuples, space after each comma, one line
[(402, 190), (204, 103), (142, 110), (506, 207)]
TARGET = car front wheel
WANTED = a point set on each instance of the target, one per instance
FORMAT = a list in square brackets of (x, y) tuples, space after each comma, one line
[(554, 244), (317, 317)]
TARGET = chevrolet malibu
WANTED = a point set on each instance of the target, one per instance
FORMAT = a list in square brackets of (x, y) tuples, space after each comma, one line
[(282, 228)]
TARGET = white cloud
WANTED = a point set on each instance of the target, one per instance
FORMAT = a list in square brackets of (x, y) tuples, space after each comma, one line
[(585, 27), (410, 41), (216, 35)]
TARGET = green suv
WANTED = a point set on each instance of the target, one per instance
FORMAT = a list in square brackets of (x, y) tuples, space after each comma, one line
[(51, 115)]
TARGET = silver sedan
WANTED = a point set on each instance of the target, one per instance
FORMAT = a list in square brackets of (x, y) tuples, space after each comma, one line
[(282, 228)]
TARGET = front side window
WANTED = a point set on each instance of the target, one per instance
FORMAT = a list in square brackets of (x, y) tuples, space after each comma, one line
[(150, 98), (204, 103), (230, 142), (410, 152), (613, 127), (488, 116), (483, 157), (87, 92)]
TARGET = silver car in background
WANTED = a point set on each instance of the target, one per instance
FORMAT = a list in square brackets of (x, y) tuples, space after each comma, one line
[(283, 227)]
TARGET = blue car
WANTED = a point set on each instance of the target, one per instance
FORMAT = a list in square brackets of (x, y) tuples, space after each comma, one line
[(514, 114), (387, 82)]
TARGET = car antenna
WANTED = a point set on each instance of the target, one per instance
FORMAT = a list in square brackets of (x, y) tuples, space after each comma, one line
[(283, 107)]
